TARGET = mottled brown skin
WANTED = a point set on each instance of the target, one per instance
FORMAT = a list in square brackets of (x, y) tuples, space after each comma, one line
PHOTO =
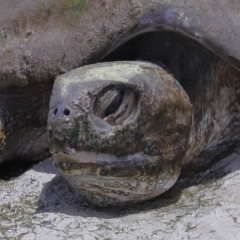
[(195, 41)]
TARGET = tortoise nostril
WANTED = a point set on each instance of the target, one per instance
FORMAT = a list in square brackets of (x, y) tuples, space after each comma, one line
[(66, 112), (60, 112), (55, 111)]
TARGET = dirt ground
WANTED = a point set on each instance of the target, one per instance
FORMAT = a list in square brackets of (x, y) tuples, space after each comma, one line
[(40, 205)]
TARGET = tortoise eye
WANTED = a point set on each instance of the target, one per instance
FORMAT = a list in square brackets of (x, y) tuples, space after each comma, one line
[(115, 104), (108, 102)]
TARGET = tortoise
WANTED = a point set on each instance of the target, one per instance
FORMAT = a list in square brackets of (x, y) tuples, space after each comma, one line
[(156, 94)]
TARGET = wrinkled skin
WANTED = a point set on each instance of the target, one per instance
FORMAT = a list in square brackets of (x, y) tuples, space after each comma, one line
[(132, 153), (193, 43)]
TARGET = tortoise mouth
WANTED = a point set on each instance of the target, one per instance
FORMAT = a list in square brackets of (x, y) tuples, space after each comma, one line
[(108, 165), (105, 179)]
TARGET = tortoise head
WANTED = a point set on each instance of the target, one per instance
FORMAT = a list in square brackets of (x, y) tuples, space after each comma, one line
[(118, 131)]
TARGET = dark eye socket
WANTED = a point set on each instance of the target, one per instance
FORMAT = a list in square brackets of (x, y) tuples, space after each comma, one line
[(114, 105)]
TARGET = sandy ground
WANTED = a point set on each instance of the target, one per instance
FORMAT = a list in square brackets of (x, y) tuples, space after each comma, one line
[(40, 205)]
